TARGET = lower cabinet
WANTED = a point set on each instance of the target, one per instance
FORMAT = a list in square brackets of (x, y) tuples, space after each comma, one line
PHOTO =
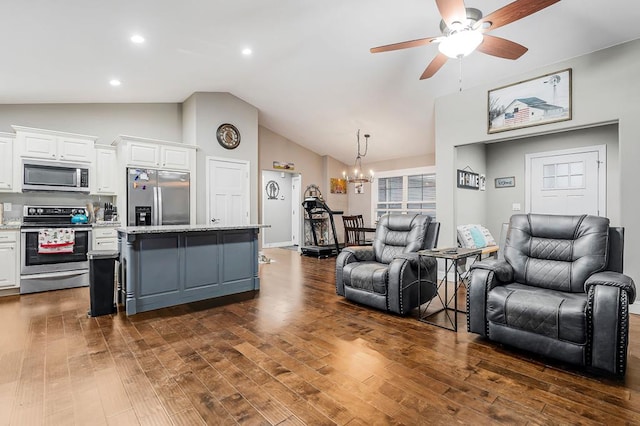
[(9, 259), (105, 238)]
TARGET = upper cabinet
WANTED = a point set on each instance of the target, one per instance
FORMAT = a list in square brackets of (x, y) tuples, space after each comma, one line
[(106, 169), (6, 162), (53, 145), (155, 154)]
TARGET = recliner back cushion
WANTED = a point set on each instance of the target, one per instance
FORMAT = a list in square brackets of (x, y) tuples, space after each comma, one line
[(557, 252), (399, 233)]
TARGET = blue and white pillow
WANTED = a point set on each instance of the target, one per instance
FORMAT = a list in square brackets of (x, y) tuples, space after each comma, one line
[(474, 236)]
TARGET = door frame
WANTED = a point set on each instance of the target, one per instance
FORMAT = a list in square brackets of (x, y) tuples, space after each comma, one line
[(247, 200), (602, 173), (296, 228)]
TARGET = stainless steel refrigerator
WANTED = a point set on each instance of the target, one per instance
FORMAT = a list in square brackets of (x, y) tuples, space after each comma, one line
[(157, 197)]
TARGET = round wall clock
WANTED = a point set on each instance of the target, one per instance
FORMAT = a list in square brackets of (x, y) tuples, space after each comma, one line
[(228, 136)]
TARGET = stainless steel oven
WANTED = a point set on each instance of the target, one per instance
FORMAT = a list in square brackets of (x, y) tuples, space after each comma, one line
[(34, 262), (42, 271)]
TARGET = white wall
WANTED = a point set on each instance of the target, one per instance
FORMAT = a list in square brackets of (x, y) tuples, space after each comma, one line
[(604, 91), (106, 121), (203, 114)]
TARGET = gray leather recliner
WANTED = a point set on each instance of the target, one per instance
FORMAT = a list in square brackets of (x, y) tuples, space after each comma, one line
[(559, 292), (385, 275)]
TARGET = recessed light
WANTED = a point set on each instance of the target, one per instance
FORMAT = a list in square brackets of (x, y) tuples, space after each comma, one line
[(115, 82), (137, 39), (246, 51)]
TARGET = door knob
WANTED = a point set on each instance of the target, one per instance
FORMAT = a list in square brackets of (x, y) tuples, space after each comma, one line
[(214, 220)]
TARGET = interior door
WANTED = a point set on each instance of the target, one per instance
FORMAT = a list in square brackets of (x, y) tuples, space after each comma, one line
[(228, 191), (567, 182), (296, 222)]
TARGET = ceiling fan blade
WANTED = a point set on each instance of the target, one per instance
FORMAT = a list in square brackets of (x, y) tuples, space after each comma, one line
[(402, 45), (434, 66), (500, 47), (513, 11), (452, 11)]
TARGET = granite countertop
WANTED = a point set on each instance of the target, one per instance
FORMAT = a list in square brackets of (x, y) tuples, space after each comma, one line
[(165, 229), (106, 224), (10, 226)]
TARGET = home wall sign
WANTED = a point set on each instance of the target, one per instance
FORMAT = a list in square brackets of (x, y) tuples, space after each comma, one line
[(468, 180), (505, 182)]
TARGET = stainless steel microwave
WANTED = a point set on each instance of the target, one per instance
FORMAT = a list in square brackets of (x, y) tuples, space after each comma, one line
[(51, 176)]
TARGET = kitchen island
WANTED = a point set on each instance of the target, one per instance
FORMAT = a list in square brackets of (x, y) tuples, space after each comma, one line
[(174, 264)]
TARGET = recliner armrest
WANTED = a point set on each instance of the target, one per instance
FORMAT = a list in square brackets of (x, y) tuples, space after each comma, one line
[(361, 253), (413, 260), (612, 279), (502, 271)]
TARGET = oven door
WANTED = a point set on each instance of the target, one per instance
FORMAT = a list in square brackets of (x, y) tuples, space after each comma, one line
[(41, 263)]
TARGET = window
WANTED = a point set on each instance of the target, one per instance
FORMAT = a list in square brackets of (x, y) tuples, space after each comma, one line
[(563, 175), (407, 191)]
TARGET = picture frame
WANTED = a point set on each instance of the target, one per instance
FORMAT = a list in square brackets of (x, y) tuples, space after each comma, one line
[(338, 186), (283, 165), (540, 100), (505, 182)]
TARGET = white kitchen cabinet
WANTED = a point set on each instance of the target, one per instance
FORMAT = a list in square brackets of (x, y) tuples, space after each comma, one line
[(158, 155), (143, 154), (53, 145), (6, 162), (9, 259), (175, 158), (105, 238), (105, 170)]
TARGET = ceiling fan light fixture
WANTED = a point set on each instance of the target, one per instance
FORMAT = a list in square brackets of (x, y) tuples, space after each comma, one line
[(460, 43)]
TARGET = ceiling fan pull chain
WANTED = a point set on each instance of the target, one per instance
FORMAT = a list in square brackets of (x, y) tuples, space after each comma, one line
[(460, 81)]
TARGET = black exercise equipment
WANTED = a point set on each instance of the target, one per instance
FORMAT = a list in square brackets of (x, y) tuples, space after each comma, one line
[(316, 209)]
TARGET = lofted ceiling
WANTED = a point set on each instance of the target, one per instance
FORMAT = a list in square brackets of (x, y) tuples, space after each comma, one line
[(311, 74)]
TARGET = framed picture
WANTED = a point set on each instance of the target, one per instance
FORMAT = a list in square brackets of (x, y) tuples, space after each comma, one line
[(338, 186), (505, 182), (541, 100), (281, 165), (359, 188)]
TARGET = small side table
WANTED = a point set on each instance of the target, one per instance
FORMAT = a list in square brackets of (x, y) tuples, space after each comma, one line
[(451, 257)]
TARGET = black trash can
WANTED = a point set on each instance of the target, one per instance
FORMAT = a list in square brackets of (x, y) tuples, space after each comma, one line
[(101, 281)]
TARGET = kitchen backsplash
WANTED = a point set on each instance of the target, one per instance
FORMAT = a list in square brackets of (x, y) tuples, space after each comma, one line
[(48, 199)]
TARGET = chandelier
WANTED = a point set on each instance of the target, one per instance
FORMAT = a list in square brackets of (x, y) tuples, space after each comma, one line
[(358, 176)]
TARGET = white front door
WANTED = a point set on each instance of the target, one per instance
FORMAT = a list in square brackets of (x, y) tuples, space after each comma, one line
[(227, 191), (569, 182), (296, 186)]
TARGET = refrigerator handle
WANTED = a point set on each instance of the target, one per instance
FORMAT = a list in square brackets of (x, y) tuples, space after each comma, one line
[(159, 205), (155, 206)]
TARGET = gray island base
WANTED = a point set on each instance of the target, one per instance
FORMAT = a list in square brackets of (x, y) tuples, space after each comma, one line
[(171, 265)]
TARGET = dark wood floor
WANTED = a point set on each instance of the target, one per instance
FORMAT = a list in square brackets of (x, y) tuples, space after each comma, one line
[(294, 353)]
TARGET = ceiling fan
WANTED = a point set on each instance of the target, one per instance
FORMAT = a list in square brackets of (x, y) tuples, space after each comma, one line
[(464, 30)]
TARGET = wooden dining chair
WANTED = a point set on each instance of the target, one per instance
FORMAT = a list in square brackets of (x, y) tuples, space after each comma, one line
[(353, 233)]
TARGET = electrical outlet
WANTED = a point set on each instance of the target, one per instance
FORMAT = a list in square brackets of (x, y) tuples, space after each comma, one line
[(516, 207), (7, 207)]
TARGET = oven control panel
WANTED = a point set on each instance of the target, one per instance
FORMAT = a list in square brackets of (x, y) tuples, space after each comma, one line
[(53, 211)]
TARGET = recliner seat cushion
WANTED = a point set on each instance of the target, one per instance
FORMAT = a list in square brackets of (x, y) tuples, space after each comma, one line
[(369, 276), (554, 314)]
